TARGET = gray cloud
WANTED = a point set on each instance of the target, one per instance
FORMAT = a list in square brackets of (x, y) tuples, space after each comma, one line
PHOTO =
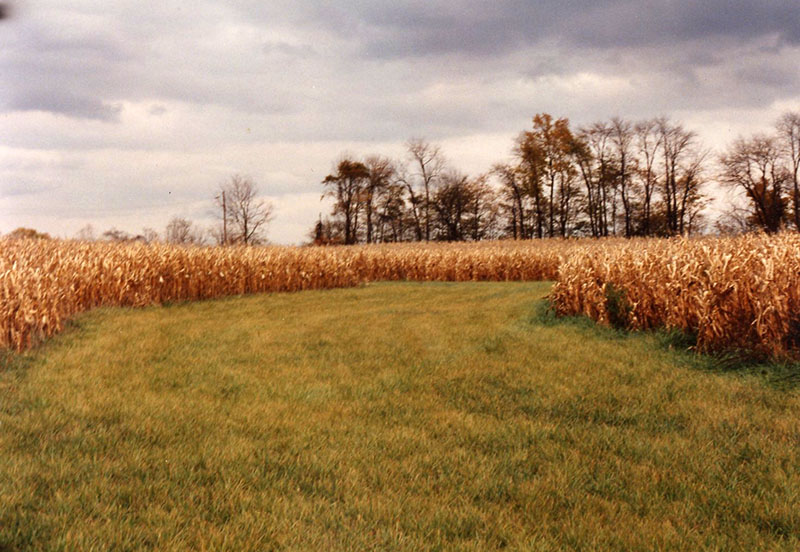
[(767, 76), (56, 69), (66, 103), (197, 93), (485, 27), (284, 57)]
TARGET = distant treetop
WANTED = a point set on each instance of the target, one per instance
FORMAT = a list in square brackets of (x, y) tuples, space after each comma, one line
[(28, 233)]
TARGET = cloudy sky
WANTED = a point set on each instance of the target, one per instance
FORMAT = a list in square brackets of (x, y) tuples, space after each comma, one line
[(127, 113)]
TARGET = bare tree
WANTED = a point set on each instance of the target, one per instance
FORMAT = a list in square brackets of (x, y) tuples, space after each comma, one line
[(86, 233), (734, 220), (149, 235), (381, 173), (755, 167), (245, 216), (429, 163), (181, 231), (511, 190), (789, 135), (622, 137), (648, 140), (217, 234), (484, 210), (593, 152), (683, 162), (415, 202)]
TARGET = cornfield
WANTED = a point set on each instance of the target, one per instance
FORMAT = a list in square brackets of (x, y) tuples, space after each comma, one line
[(731, 293), (43, 283), (739, 292)]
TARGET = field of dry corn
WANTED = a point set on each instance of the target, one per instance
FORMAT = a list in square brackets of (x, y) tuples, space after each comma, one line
[(739, 292), (45, 282)]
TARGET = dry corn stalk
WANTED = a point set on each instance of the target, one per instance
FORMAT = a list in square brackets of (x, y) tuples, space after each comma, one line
[(741, 292), (731, 292), (43, 283)]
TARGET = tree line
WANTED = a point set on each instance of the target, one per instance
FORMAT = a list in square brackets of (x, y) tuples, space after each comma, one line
[(611, 178), (242, 219)]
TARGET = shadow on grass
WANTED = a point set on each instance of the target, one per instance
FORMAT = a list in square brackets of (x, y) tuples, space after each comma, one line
[(682, 346)]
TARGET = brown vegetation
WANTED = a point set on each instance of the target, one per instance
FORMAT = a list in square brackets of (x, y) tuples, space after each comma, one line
[(738, 292), (43, 283), (731, 293)]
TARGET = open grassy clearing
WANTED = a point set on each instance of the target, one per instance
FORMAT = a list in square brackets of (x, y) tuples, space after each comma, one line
[(396, 416)]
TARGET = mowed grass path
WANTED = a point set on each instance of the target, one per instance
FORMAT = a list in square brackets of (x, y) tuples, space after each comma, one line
[(398, 416)]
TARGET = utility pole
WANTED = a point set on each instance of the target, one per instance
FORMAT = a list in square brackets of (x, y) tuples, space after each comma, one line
[(224, 240), (224, 221)]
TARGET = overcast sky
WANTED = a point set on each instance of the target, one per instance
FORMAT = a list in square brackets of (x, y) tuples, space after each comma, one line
[(127, 113)]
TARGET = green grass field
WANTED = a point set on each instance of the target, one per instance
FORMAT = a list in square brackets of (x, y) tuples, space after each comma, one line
[(397, 416)]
